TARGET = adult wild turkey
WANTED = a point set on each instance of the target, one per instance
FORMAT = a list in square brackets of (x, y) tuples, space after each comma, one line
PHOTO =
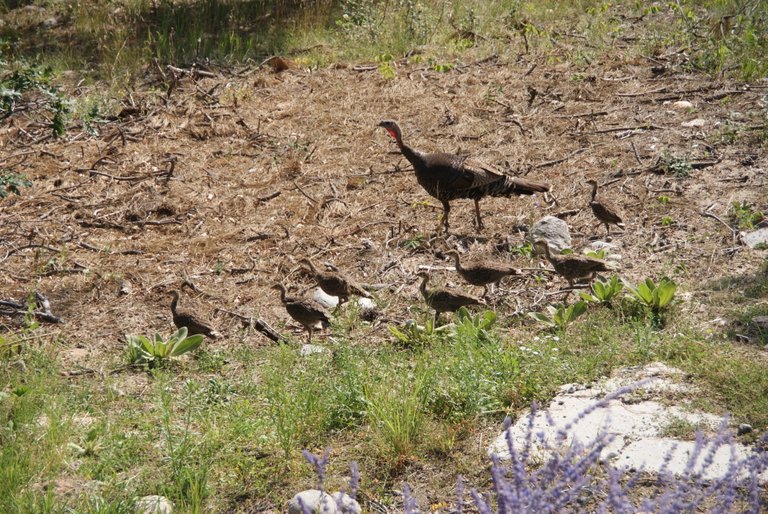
[(603, 210), (306, 311), (188, 319), (448, 176), (334, 283)]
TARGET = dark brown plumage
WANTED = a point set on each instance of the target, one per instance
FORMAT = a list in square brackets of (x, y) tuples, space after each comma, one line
[(442, 300), (306, 311), (334, 283), (187, 319), (572, 266), (481, 273), (448, 177), (604, 211)]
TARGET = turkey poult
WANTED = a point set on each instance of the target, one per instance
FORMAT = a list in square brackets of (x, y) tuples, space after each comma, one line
[(442, 300), (187, 319), (334, 283), (309, 313), (448, 177), (482, 273), (572, 266), (603, 210)]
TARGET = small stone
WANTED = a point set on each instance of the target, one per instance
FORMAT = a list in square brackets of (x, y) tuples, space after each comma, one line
[(346, 503), (596, 246), (311, 349), (314, 500), (554, 231), (154, 504), (366, 304), (756, 237), (744, 428), (698, 122), (761, 322), (125, 288), (326, 300), (682, 104)]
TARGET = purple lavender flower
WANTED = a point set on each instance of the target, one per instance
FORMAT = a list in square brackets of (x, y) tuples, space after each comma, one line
[(319, 463)]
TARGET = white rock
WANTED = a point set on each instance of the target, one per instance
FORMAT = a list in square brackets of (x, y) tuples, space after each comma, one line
[(347, 504), (554, 231), (756, 237), (315, 500), (636, 424), (698, 122), (154, 504), (366, 303), (682, 104), (596, 246), (326, 300), (311, 349)]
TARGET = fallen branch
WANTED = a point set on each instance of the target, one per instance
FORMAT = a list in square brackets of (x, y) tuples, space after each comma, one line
[(10, 308), (558, 161), (259, 324), (734, 232)]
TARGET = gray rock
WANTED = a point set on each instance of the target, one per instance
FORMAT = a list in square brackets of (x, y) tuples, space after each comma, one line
[(347, 504), (554, 231), (756, 237), (154, 504), (744, 428), (314, 500), (326, 300)]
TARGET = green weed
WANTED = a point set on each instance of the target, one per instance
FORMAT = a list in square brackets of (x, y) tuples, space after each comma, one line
[(745, 215), (143, 350), (604, 292), (10, 183), (676, 166), (560, 316), (654, 297), (295, 391), (395, 407)]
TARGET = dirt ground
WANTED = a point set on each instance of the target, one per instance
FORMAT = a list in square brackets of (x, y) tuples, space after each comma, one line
[(228, 181)]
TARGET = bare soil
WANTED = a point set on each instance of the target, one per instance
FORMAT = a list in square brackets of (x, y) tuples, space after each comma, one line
[(226, 182)]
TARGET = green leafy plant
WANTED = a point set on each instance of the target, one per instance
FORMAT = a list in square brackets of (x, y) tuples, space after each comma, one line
[(10, 183), (679, 167), (667, 221), (386, 67), (475, 326), (525, 249), (560, 316), (746, 216), (654, 297), (28, 77), (597, 254), (411, 334), (663, 200), (142, 349), (604, 291), (415, 242)]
